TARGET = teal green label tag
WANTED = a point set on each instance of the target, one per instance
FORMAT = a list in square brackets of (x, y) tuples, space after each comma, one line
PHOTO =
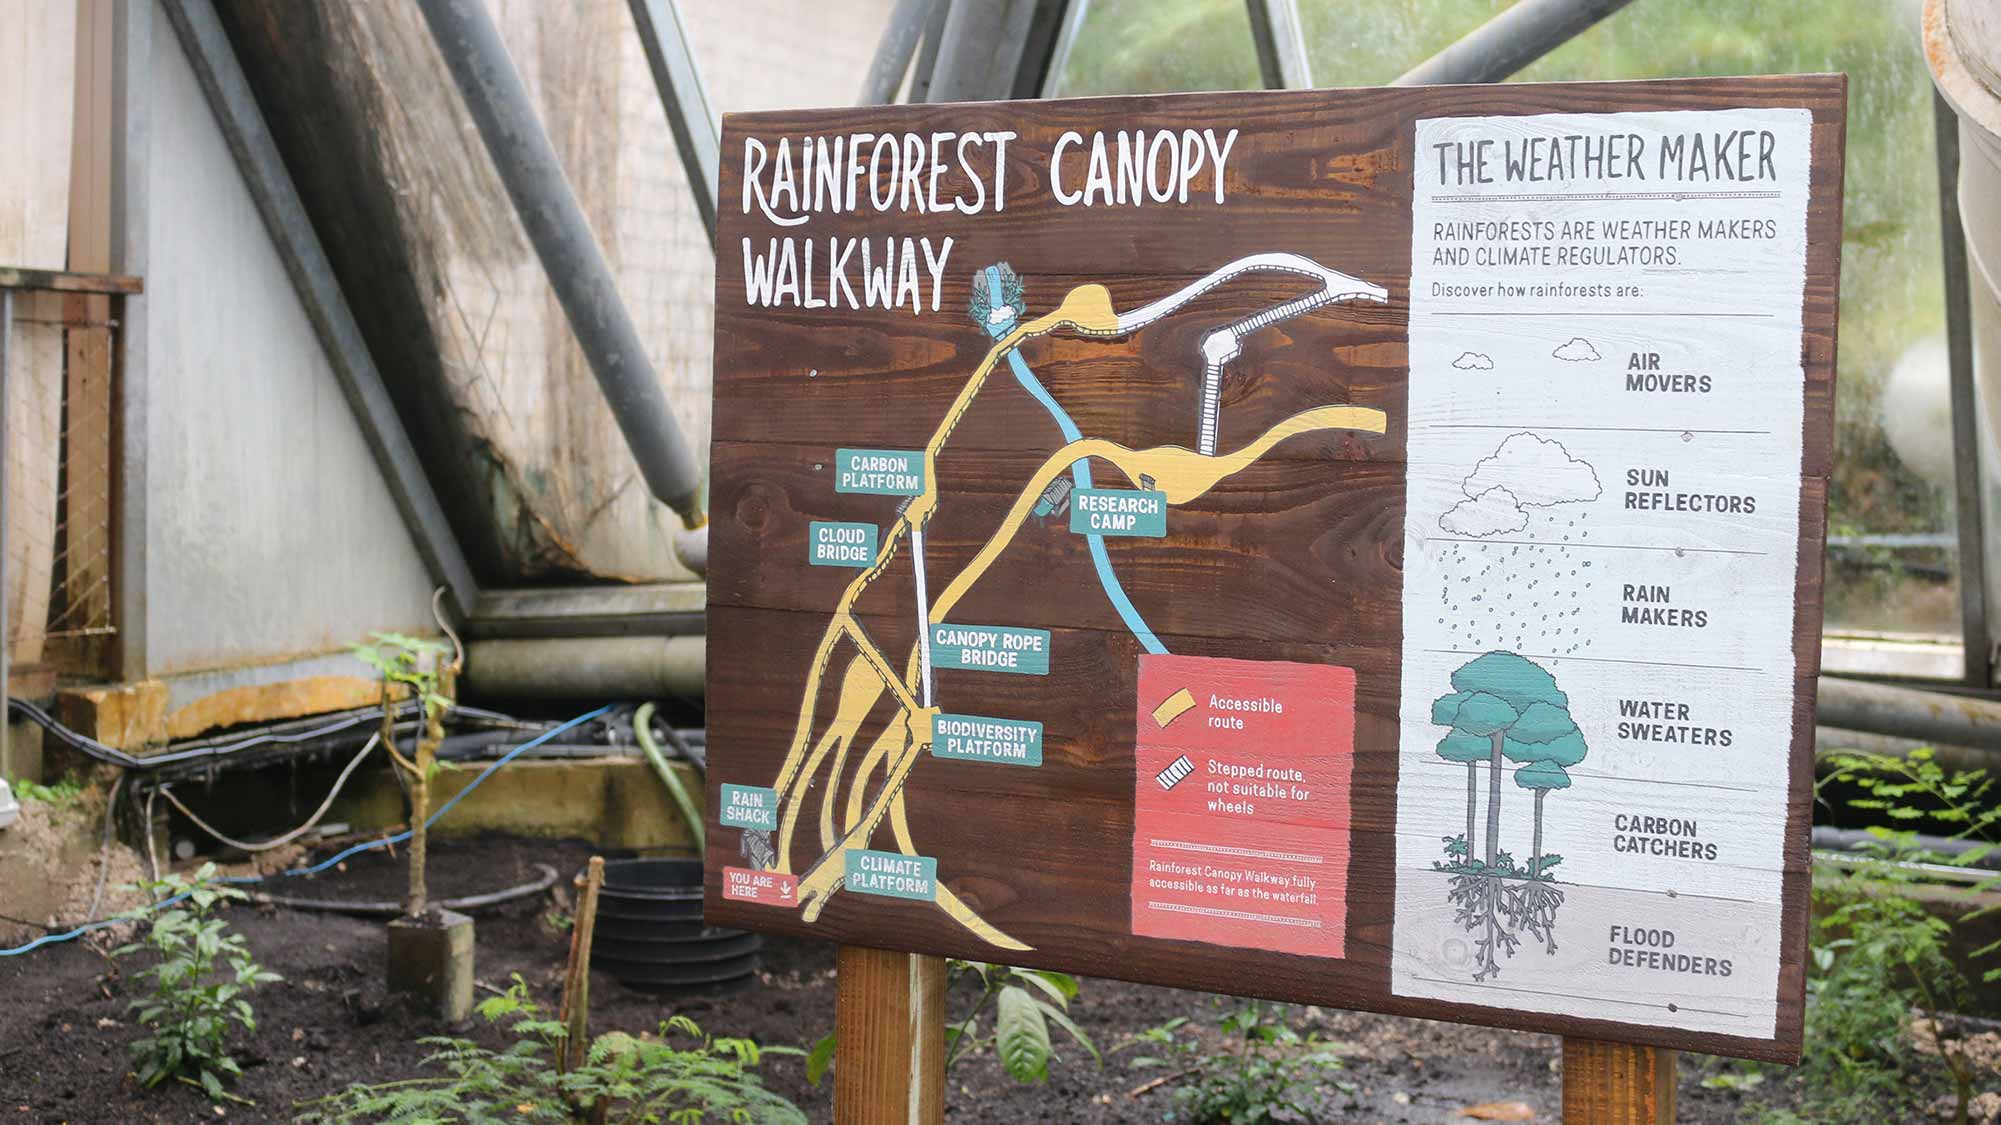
[(879, 472), (750, 806), (840, 544), (976, 738), (990, 648), (1118, 511), (893, 875)]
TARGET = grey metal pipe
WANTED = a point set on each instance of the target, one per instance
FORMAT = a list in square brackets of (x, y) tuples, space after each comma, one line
[(980, 50), (1860, 840), (1829, 741), (1281, 44), (1509, 42), (1965, 399), (894, 50), (678, 80), (563, 668), (562, 238), (1929, 716)]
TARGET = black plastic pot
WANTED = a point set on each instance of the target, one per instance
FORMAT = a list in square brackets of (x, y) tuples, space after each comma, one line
[(650, 934)]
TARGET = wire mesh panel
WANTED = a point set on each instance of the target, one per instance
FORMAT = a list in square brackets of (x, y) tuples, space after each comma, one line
[(59, 486)]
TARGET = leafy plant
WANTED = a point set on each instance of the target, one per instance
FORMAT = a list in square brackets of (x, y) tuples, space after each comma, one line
[(200, 985), (64, 792), (1880, 960), (1268, 1070), (624, 1079), (418, 667), (1024, 1003)]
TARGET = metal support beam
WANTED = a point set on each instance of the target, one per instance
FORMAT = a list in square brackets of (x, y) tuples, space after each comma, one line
[(298, 245), (1038, 48), (996, 49), (1968, 506), (927, 53), (893, 52), (678, 79), (6, 627), (1066, 41), (556, 226), (1281, 44), (1509, 41), (131, 107)]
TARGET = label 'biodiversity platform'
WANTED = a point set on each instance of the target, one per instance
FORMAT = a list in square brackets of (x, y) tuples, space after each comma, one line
[(976, 738), (990, 648), (879, 472)]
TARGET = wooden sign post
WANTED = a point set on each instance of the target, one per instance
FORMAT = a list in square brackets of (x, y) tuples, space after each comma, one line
[(1351, 547)]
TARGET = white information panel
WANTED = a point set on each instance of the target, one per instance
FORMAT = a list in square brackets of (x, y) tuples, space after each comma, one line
[(1601, 544)]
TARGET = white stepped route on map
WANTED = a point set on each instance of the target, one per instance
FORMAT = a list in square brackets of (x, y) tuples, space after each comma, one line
[(923, 611), (1225, 344), (1218, 348)]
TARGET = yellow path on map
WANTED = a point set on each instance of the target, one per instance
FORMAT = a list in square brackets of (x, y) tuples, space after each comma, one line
[(1182, 474)]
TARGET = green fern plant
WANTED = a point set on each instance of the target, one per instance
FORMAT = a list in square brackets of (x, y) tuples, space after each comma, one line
[(201, 983), (624, 1079)]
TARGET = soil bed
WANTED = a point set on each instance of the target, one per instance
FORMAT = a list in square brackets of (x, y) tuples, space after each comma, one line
[(64, 1031)]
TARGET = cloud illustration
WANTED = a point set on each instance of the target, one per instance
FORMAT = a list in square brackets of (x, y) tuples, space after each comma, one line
[(1493, 512), (1577, 349), (1473, 361), (1536, 472)]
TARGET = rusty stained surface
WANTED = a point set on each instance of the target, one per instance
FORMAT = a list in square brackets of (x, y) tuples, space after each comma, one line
[(474, 347), (1962, 41)]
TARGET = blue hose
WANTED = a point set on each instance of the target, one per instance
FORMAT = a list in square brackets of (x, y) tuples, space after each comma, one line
[(1080, 472), (52, 939)]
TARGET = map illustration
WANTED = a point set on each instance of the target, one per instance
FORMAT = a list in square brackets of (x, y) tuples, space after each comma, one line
[(810, 834)]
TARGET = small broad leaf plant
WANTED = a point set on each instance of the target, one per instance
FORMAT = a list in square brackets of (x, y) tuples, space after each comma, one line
[(201, 983), (1023, 1003)]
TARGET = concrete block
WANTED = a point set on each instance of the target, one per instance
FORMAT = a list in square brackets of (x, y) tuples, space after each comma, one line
[(614, 803), (23, 757), (129, 717), (432, 957)]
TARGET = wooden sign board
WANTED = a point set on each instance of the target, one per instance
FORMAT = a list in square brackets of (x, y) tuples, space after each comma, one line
[(1359, 547)]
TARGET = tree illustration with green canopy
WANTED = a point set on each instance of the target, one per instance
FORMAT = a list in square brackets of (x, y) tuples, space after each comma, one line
[(1505, 708)]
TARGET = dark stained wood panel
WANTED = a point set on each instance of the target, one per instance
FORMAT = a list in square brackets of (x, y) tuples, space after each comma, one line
[(1296, 560)]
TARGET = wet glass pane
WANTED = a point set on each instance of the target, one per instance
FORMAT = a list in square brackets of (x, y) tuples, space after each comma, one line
[(1161, 46), (1891, 558)]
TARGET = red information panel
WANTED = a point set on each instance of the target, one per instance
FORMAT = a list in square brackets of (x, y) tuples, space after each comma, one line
[(771, 888), (1240, 812)]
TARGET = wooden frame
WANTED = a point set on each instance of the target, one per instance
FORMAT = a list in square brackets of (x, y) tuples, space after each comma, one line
[(1299, 558)]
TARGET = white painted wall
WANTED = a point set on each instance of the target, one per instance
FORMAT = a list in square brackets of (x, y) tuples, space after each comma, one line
[(270, 533)]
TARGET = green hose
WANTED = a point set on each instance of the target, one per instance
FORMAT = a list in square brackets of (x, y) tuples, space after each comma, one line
[(642, 725)]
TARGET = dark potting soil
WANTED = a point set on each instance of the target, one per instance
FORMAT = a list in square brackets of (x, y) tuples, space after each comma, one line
[(64, 1027)]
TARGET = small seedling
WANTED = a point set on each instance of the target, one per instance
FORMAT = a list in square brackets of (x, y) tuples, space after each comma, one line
[(624, 1079), (200, 986)]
